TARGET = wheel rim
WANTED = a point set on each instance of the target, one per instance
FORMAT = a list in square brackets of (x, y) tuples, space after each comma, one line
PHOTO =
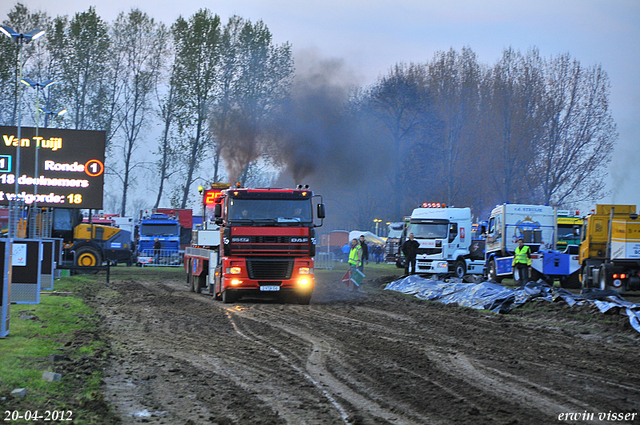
[(87, 260), (603, 280)]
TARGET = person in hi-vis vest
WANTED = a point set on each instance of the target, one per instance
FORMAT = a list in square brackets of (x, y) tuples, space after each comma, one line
[(355, 254), (355, 260), (521, 263)]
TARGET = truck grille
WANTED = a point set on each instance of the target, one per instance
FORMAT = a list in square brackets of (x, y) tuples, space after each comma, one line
[(270, 239), (269, 245), (269, 269), (429, 251)]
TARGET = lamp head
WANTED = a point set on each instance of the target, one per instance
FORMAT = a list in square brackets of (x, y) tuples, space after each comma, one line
[(27, 38)]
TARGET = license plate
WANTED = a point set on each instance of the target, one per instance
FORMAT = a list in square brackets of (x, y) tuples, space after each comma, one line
[(269, 288)]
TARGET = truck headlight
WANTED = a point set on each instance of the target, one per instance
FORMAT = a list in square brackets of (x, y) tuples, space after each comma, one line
[(235, 282), (304, 281), (305, 270), (234, 270)]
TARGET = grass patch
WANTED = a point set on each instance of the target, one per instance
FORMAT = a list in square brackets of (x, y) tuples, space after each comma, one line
[(62, 325)]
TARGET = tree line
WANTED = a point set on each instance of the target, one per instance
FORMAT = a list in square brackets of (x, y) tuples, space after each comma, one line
[(228, 104)]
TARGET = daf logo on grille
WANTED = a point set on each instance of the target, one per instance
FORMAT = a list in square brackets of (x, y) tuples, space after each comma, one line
[(299, 239), (239, 239)]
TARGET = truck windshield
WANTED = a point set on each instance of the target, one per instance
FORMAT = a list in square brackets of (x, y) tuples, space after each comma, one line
[(395, 230), (279, 211), (158, 230), (428, 230), (568, 232)]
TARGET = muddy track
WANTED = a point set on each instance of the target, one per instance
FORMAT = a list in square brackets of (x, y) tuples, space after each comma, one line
[(356, 358)]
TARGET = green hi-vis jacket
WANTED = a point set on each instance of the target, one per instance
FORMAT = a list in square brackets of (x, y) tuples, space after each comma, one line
[(522, 255), (353, 255)]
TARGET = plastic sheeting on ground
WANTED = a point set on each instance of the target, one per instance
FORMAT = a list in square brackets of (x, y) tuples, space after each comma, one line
[(500, 299)]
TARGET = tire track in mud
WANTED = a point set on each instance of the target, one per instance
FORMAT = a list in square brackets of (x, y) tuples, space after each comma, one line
[(531, 388), (358, 359), (315, 371), (343, 414), (500, 383), (240, 363), (459, 371), (349, 386)]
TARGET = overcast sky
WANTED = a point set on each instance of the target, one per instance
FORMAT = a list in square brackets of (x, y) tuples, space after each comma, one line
[(370, 36)]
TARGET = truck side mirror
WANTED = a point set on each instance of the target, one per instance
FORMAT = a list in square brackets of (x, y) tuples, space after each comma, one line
[(321, 212), (217, 210)]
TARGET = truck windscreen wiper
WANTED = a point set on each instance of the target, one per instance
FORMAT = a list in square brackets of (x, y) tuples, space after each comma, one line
[(242, 220)]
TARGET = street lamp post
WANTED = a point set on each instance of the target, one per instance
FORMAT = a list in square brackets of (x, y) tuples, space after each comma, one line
[(39, 87), (20, 39), (35, 215), (377, 221)]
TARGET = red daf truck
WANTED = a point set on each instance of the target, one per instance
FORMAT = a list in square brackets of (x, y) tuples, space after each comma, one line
[(255, 242)]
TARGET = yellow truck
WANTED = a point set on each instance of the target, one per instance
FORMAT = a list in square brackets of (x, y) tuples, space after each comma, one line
[(610, 248)]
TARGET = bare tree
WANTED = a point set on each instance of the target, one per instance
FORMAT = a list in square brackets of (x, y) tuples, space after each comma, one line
[(196, 64), (578, 139), (401, 102), (167, 106), (255, 76), (80, 49), (33, 54), (511, 105), (454, 81), (139, 43)]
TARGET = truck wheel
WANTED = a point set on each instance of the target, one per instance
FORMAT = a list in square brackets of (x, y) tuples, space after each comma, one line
[(603, 278), (190, 279), (460, 269), (228, 296), (198, 284), (585, 279), (88, 256), (493, 273), (195, 284)]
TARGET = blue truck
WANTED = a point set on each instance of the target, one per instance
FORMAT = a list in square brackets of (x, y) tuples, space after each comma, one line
[(165, 228)]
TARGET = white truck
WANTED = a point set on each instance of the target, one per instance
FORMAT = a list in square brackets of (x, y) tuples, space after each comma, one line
[(445, 241), (536, 224)]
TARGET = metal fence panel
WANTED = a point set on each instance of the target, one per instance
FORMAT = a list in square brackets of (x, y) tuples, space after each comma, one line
[(161, 257), (324, 260)]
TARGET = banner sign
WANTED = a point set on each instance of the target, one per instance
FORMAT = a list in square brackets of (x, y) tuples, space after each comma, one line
[(69, 173)]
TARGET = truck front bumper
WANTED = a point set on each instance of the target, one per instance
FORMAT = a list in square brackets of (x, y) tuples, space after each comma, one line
[(432, 266)]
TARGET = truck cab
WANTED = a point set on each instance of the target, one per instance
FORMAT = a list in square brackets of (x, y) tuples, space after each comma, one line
[(266, 244), (395, 237), (610, 248), (536, 224), (165, 228), (444, 235), (569, 228)]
